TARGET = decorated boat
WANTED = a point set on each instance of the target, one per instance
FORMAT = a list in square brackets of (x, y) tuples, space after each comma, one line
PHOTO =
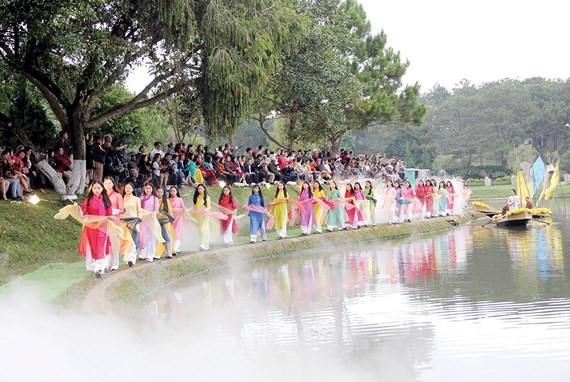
[(485, 209), (517, 218), (541, 213)]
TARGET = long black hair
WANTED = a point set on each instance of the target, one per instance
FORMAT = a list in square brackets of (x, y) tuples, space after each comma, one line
[(277, 190), (174, 188), (222, 194), (196, 193), (164, 198), (261, 197), (308, 189), (106, 200), (335, 185), (370, 189), (130, 184), (115, 187), (320, 185)]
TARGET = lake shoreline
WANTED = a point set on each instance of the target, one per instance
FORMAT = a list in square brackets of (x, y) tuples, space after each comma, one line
[(116, 290)]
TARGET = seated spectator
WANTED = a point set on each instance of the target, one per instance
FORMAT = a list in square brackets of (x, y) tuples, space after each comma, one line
[(251, 175), (62, 164), (8, 174), (9, 163), (136, 180), (4, 186), (144, 166), (208, 171), (272, 166), (236, 167)]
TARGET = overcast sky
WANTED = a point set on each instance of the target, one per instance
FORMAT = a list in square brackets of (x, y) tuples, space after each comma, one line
[(482, 41), (446, 41)]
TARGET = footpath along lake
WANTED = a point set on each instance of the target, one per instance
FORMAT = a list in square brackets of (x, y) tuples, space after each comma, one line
[(479, 303)]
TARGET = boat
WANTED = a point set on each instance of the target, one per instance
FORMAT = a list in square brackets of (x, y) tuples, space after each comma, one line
[(485, 209), (490, 212), (520, 219)]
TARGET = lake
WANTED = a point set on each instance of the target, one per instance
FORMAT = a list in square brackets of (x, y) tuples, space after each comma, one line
[(476, 303)]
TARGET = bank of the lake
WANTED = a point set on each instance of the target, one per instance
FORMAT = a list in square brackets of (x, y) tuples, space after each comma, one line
[(121, 289)]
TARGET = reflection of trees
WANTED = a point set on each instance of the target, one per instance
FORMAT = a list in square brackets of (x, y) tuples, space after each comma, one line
[(503, 265)]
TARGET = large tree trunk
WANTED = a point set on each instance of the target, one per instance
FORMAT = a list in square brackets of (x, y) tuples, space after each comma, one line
[(58, 183), (335, 144), (76, 184)]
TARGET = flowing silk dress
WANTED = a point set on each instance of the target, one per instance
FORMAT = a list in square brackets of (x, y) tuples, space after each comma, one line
[(164, 216), (149, 241), (118, 207), (351, 212), (318, 212), (361, 207), (228, 227), (390, 204), (369, 193), (203, 222), (336, 217), (306, 216), (94, 243), (429, 200), (178, 207), (450, 199), (421, 195), (442, 192), (280, 214), (256, 219), (133, 209)]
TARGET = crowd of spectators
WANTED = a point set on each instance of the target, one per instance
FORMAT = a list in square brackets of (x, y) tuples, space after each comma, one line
[(183, 165)]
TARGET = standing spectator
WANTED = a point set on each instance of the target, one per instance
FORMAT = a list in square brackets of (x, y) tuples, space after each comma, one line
[(62, 142), (89, 168), (98, 158)]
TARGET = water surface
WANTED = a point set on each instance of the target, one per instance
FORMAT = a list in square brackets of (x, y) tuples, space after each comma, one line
[(473, 303)]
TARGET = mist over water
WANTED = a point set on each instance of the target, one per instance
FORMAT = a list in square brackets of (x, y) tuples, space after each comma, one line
[(42, 344)]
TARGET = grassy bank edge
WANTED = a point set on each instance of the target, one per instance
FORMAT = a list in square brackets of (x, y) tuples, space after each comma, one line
[(119, 291)]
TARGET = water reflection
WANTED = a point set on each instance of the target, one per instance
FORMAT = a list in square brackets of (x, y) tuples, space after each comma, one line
[(398, 309)]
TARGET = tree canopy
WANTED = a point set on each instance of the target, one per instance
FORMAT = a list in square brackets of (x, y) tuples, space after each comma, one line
[(339, 78), (74, 52)]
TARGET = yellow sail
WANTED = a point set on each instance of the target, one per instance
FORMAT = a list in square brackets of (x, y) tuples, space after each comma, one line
[(553, 183), (524, 188)]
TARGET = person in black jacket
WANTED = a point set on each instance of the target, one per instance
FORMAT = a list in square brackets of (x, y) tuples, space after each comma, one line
[(98, 154)]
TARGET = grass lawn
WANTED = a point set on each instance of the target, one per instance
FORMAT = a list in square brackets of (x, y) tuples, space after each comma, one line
[(31, 238), (503, 191)]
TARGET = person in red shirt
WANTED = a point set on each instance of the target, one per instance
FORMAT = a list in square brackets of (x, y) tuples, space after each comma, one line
[(62, 164)]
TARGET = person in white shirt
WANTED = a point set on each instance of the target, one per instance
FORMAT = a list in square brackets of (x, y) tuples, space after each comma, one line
[(513, 201), (157, 150)]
